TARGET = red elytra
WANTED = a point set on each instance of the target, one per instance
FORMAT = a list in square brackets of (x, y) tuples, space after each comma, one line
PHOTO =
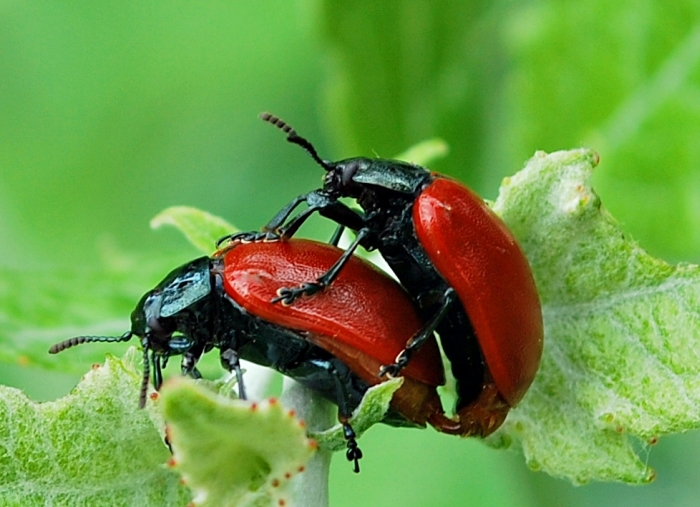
[(478, 256), (365, 320), (366, 310)]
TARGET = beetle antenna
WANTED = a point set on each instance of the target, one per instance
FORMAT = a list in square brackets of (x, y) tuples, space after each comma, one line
[(79, 340), (146, 374), (295, 138)]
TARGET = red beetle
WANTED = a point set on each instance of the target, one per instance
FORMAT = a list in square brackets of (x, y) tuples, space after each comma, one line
[(456, 258), (335, 343)]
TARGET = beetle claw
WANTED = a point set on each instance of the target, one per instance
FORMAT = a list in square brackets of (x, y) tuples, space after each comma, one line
[(285, 296), (271, 237), (354, 454), (390, 370)]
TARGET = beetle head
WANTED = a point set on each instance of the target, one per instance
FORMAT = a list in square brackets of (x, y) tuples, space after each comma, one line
[(351, 177), (340, 179), (162, 312)]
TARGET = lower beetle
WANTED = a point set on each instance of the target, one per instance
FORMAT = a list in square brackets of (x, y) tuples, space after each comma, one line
[(456, 258), (334, 344)]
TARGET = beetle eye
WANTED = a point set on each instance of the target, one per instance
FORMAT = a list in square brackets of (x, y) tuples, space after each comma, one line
[(349, 170), (158, 335), (156, 327)]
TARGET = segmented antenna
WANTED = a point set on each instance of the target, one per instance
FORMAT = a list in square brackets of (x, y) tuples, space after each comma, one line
[(295, 138), (146, 374), (78, 340)]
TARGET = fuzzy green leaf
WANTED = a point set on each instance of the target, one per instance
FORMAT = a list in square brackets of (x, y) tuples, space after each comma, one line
[(199, 227), (233, 452), (620, 368), (94, 447), (621, 363)]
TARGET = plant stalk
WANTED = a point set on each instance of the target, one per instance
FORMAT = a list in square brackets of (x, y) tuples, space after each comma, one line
[(310, 488)]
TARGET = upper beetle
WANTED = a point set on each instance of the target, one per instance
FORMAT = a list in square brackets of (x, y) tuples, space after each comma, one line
[(334, 344), (456, 258)]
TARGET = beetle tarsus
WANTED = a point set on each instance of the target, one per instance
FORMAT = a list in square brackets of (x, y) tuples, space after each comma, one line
[(249, 237), (392, 370), (287, 295), (353, 452), (231, 361)]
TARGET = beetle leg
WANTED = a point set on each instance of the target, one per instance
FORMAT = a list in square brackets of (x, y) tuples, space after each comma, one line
[(327, 278), (293, 226), (335, 239), (317, 201), (288, 295), (247, 237), (339, 212), (419, 338), (230, 360), (189, 363), (278, 220), (157, 371), (353, 452)]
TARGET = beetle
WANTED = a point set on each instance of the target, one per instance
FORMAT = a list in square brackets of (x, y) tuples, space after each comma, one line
[(334, 344), (453, 254)]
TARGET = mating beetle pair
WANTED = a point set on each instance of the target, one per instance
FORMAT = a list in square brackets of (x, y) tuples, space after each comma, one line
[(465, 274), (454, 255), (334, 343)]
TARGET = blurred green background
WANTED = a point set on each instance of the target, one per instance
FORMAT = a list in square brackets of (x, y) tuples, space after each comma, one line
[(111, 112)]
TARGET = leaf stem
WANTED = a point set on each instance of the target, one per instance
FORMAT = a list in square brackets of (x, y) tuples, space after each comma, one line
[(310, 489)]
